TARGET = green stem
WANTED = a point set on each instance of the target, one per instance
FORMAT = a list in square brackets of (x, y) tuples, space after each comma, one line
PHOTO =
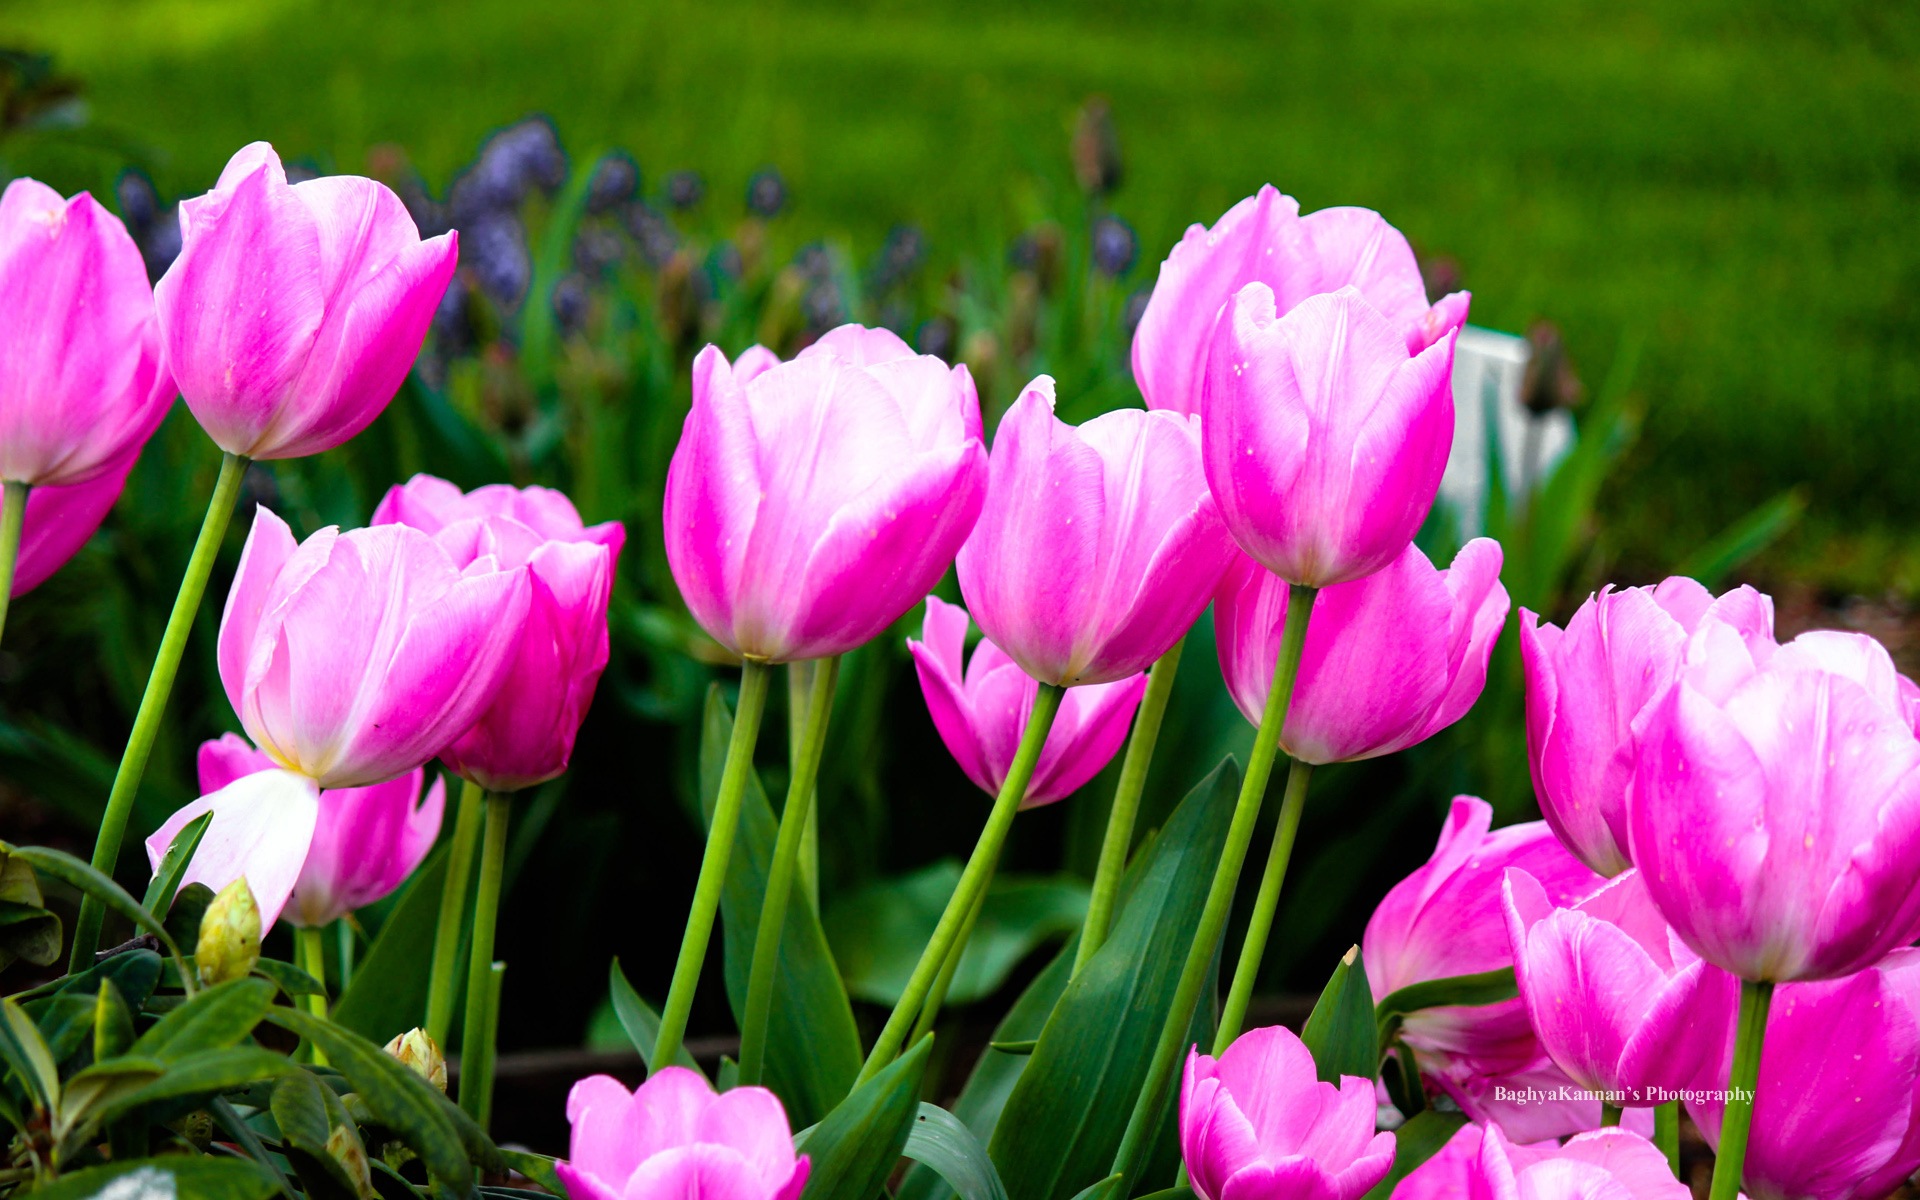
[(1149, 1107), (973, 881), (1126, 805), (1260, 924), (476, 1039), (311, 951), (13, 517), (1609, 1115), (477, 1064), (1666, 1133), (1737, 1120), (780, 876), (937, 995), (442, 984), (344, 947), (713, 863), (153, 704), (799, 685)]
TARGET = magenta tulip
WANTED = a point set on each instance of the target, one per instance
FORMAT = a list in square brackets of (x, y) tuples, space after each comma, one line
[(1264, 239), (1479, 1163), (1776, 804), (60, 519), (82, 381), (1448, 919), (1098, 546), (1588, 684), (1619, 1003), (674, 1138), (526, 735), (1257, 1124), (1389, 660), (1324, 439), (982, 713), (1836, 1115), (810, 506), (295, 311), (364, 844)]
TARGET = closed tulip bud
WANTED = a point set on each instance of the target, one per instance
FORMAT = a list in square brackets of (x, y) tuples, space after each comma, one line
[(417, 1050), (59, 520), (1479, 1161), (82, 380), (1098, 545), (294, 311), (230, 930), (1389, 660), (812, 503), (1324, 439), (673, 1136), (1587, 686)]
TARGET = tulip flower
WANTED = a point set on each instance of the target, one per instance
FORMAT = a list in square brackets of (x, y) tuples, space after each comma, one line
[(982, 713), (673, 1136), (1589, 683), (1257, 1124), (1479, 1161), (1619, 1003), (295, 311), (1264, 239), (364, 843), (1448, 919), (1324, 439), (60, 519), (1098, 546), (812, 503), (1389, 660)]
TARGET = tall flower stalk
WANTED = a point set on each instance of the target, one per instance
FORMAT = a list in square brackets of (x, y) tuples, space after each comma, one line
[(1266, 900), (13, 518), (1756, 998), (476, 1082), (441, 989)]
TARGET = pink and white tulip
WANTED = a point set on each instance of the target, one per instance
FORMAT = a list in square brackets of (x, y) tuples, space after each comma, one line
[(1587, 686), (981, 712), (295, 311), (1257, 1124), (811, 503), (1098, 546), (60, 518), (1389, 660), (673, 1137), (1480, 1162)]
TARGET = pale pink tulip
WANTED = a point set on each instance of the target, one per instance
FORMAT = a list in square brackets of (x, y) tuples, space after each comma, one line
[(1479, 1163), (674, 1139)]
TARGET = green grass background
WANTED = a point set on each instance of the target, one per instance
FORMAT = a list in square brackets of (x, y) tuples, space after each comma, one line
[(1736, 182)]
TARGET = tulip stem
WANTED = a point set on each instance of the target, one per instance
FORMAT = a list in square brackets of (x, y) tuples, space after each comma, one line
[(1143, 1126), (1756, 998), (311, 951), (153, 703), (799, 684), (1126, 805), (453, 910), (13, 517), (937, 995), (972, 885), (1260, 924), (477, 1029), (713, 862), (1609, 1115), (780, 876), (1666, 1133)]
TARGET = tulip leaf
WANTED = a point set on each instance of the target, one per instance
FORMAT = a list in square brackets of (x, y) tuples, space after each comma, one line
[(1487, 987), (219, 1016), (1172, 1193), (1340, 1032), (856, 1147), (537, 1167), (70, 870), (638, 1018), (199, 1176), (174, 864), (813, 1045), (939, 1140), (1414, 1143), (288, 978), (388, 995), (204, 1073), (1064, 1119), (1098, 1190), (25, 1050)]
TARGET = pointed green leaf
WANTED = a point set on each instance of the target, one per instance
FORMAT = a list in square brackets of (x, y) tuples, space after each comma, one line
[(1021, 1048), (637, 1017), (537, 1167), (219, 1016), (388, 995), (1098, 1190), (27, 1053), (135, 972), (205, 1073), (1340, 1032), (1488, 987), (1414, 1143), (200, 1177), (1172, 1193), (288, 978), (856, 1147), (940, 1141), (70, 870), (174, 864)]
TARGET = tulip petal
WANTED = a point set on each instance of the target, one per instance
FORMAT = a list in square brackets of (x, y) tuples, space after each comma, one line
[(950, 709), (227, 758), (270, 546), (262, 827)]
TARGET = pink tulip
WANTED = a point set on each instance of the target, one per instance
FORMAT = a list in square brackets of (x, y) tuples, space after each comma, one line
[(674, 1138), (811, 505), (982, 714), (1588, 684), (1324, 439), (1098, 546), (1837, 1111), (82, 383), (295, 311), (1619, 1003), (1480, 1163), (1776, 804), (1389, 660), (1264, 239), (1257, 1124), (1448, 919), (364, 844), (60, 519), (526, 735)]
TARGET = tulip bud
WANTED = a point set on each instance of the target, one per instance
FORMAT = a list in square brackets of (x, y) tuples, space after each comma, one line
[(229, 935), (418, 1051)]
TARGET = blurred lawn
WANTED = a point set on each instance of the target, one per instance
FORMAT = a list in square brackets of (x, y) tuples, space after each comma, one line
[(1737, 181)]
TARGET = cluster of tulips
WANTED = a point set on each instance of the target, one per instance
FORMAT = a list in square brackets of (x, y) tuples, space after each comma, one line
[(1715, 914)]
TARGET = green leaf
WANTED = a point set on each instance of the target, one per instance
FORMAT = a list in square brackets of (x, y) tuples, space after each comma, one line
[(388, 995), (288, 978), (855, 1148), (242, 1134), (1488, 987), (219, 1016), (878, 931), (1414, 1143), (637, 1016), (27, 1053), (112, 1023), (1734, 545), (200, 1177), (90, 1091), (1021, 1048), (189, 906), (65, 1022), (1098, 1189), (174, 864), (135, 972), (1172, 1193), (940, 1141), (813, 1045), (1340, 1032), (537, 1167), (70, 870), (27, 930), (1064, 1119), (204, 1073)]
